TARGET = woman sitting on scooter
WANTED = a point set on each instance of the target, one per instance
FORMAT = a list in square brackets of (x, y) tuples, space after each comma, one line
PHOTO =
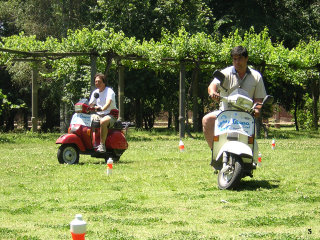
[(103, 105)]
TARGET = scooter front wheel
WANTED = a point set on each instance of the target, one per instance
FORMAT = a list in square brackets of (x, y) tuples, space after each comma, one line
[(68, 153), (230, 179)]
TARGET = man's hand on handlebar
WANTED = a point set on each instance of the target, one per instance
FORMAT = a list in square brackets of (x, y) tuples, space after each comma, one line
[(215, 96), (257, 109), (256, 113)]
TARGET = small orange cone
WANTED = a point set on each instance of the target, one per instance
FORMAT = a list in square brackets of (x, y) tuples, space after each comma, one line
[(181, 146)]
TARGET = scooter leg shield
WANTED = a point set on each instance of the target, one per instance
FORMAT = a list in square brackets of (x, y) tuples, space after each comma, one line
[(237, 148)]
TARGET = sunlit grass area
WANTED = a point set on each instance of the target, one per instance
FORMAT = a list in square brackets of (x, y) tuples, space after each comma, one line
[(157, 192)]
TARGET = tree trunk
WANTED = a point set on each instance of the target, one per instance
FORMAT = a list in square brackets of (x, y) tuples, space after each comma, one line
[(295, 113), (315, 98), (63, 110), (10, 121), (138, 113), (182, 100), (176, 121), (170, 118), (25, 119), (195, 107)]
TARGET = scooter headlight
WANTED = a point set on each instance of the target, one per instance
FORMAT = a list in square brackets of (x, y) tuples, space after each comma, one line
[(78, 108)]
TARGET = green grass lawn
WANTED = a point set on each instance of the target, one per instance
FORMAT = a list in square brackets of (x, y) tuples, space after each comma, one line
[(156, 192)]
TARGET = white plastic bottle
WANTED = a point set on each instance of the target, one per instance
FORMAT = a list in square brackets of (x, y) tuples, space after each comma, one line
[(273, 144), (109, 166), (78, 228)]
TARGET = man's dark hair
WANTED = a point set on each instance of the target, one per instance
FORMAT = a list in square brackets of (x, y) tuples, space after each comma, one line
[(239, 51), (102, 76)]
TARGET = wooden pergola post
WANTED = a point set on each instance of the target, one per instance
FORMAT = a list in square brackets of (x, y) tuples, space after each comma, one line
[(93, 64), (34, 100), (182, 100), (121, 91), (195, 107)]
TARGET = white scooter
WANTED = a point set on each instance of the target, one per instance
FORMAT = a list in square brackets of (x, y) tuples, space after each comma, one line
[(235, 151)]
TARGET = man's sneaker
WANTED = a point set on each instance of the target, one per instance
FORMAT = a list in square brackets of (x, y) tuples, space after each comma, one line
[(101, 148)]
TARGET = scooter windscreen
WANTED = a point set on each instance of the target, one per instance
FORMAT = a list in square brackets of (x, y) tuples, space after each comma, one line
[(84, 101)]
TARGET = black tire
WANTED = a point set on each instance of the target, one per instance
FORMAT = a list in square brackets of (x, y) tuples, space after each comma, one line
[(232, 177), (68, 153)]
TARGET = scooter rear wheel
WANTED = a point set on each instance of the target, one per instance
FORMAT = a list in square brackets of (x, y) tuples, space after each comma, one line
[(230, 179), (68, 153)]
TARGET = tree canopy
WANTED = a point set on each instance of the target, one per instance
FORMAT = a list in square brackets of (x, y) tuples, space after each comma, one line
[(158, 35)]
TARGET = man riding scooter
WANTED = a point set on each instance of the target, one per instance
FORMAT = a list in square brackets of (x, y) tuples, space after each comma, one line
[(103, 104), (237, 76)]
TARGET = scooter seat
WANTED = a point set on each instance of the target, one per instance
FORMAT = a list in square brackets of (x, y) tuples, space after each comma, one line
[(117, 124)]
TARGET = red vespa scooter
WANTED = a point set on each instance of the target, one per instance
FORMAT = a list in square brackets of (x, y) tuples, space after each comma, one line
[(83, 137)]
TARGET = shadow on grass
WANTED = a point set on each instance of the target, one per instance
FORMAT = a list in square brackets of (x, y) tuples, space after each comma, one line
[(6, 140), (27, 137), (138, 138), (253, 185), (103, 162), (289, 132)]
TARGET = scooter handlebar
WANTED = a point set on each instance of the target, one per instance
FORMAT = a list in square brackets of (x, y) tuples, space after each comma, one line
[(93, 109), (224, 99)]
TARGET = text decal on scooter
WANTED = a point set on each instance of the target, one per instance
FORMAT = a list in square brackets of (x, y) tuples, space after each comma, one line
[(82, 119), (234, 121)]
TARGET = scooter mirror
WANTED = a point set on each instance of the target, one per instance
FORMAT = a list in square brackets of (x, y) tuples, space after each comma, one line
[(220, 76), (267, 105), (268, 100), (96, 95)]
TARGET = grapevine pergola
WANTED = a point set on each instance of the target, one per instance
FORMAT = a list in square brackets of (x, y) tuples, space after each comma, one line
[(175, 51), (40, 56), (37, 57)]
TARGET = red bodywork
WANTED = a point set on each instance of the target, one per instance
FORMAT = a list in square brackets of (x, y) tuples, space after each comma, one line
[(83, 137), (116, 140)]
